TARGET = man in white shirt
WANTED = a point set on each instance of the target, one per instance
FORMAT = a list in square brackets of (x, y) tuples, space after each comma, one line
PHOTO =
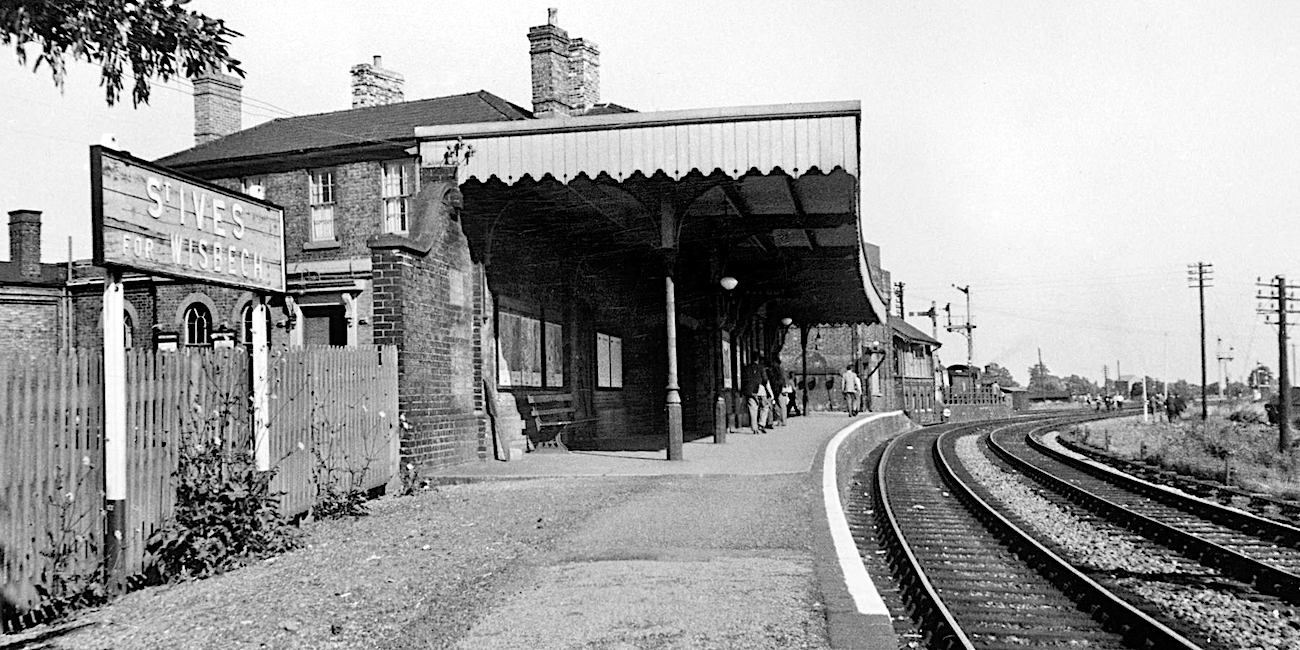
[(852, 387)]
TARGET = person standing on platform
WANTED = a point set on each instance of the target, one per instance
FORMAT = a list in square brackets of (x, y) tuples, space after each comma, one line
[(852, 388), (752, 382), (792, 395), (780, 409)]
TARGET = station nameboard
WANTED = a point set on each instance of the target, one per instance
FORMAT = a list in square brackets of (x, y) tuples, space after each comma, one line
[(154, 220)]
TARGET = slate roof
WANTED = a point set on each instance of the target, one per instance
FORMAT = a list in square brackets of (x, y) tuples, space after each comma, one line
[(910, 333), (607, 109), (390, 123)]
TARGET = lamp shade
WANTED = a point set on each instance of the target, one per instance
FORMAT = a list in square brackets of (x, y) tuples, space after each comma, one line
[(787, 321), (728, 282)]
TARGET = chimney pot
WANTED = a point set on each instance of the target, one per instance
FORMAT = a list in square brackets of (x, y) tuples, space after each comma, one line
[(379, 61), (25, 242), (552, 16)]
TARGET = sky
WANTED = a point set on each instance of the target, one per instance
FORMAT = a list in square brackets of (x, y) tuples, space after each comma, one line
[(1064, 160)]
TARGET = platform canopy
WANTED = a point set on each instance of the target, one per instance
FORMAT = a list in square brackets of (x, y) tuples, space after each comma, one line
[(772, 191)]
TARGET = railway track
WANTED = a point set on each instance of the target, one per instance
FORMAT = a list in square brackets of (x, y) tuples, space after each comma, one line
[(1253, 549), (1264, 505), (971, 578)]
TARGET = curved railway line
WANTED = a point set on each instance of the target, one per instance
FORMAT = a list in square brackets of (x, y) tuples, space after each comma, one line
[(974, 572), (972, 579)]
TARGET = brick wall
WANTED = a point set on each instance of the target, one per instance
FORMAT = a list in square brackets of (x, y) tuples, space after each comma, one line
[(972, 412), (436, 331), (30, 319), (160, 302), (358, 209)]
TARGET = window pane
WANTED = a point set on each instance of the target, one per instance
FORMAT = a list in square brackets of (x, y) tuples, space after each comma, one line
[(322, 187), (395, 215), (554, 354), (198, 325), (322, 222)]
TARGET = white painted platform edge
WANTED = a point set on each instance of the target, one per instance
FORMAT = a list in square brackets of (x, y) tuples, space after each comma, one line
[(856, 580)]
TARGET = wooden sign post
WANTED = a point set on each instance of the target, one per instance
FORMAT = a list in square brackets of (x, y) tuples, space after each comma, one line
[(114, 428), (261, 387)]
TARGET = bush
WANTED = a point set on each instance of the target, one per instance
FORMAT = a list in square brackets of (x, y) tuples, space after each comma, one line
[(225, 516), (1246, 416)]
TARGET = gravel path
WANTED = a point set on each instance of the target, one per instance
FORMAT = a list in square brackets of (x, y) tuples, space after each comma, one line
[(1229, 619), (548, 563)]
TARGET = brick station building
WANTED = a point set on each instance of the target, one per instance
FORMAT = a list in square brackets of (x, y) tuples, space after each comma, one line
[(574, 248)]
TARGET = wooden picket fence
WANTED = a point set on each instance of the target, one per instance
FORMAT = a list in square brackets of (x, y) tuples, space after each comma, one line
[(51, 480), (333, 417)]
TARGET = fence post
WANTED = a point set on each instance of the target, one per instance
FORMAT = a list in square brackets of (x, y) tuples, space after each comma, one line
[(261, 387), (114, 428)]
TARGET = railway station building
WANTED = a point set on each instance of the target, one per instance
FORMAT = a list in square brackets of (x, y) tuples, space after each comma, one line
[(630, 262)]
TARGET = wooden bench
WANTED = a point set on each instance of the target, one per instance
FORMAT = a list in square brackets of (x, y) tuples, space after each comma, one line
[(552, 415)]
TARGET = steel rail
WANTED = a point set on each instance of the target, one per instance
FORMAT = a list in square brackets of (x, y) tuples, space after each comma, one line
[(1110, 610), (1266, 577), (943, 630), (1279, 531)]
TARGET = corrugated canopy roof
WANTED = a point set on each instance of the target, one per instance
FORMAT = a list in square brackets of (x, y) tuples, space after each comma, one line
[(794, 138), (776, 186)]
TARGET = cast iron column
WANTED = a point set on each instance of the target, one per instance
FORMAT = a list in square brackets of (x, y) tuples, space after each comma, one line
[(674, 398), (803, 351)]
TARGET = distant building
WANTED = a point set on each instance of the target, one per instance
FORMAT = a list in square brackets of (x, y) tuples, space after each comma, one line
[(34, 306)]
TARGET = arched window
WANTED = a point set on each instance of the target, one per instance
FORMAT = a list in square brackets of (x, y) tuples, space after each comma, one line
[(198, 325), (246, 325), (128, 329)]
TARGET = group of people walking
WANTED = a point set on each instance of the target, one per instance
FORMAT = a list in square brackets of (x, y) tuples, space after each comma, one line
[(769, 393)]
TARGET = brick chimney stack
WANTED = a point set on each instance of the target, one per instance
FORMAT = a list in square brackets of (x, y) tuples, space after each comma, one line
[(25, 242), (548, 47), (373, 85), (566, 72), (218, 103), (584, 74)]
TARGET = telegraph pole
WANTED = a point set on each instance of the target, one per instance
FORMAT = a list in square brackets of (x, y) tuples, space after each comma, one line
[(967, 328), (1279, 290), (898, 291), (1198, 275)]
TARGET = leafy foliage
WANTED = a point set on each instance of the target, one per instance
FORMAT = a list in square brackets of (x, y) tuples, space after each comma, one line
[(145, 38), (72, 576), (338, 491), (994, 373), (1078, 385), (1042, 380), (225, 515)]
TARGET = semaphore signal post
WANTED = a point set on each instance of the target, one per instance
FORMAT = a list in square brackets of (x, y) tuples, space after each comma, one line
[(154, 220)]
